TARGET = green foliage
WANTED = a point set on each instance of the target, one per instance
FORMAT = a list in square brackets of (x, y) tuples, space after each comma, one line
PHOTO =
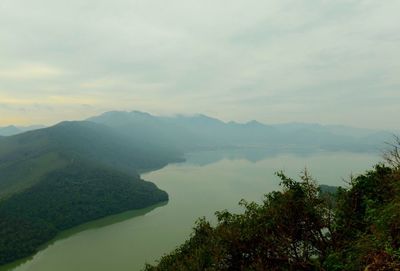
[(368, 221), (263, 237), (303, 227), (48, 185), (65, 198), (26, 158)]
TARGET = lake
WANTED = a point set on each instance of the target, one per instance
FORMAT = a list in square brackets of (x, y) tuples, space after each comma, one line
[(206, 182)]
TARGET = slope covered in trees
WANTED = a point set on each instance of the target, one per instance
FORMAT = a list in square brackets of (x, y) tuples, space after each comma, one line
[(302, 228), (59, 177), (25, 158), (65, 198)]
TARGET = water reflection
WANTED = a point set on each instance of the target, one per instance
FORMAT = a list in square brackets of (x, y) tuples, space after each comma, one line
[(254, 155), (206, 182)]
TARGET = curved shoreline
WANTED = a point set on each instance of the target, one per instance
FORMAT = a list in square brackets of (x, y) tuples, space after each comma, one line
[(91, 225)]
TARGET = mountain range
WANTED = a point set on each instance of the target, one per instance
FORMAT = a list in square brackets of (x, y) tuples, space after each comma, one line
[(199, 132), (53, 178)]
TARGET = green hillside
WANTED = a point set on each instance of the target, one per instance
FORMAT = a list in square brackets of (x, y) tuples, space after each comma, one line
[(59, 177), (65, 198), (25, 158)]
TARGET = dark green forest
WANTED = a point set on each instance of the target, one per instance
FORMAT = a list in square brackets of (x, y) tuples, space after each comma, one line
[(304, 227), (66, 198), (59, 177)]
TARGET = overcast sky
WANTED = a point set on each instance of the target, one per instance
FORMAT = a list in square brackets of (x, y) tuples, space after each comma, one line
[(327, 61)]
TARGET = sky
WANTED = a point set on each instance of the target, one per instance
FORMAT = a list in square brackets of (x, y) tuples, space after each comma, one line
[(328, 62)]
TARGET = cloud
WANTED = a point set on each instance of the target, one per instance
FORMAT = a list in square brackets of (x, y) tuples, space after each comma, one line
[(50, 100), (274, 61), (28, 71)]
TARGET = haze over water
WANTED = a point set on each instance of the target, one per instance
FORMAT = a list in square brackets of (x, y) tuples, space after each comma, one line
[(205, 183)]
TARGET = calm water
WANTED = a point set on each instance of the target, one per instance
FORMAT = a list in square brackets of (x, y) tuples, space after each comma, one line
[(206, 182)]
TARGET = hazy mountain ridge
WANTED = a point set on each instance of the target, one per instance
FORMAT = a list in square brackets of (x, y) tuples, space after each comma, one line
[(14, 130), (93, 165), (202, 132)]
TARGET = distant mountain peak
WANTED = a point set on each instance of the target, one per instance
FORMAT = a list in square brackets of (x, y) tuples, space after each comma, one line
[(254, 123), (139, 112), (9, 130), (116, 113), (206, 118), (113, 113), (73, 123)]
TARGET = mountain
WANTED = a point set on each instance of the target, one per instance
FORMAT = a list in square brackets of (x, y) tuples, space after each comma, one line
[(58, 177), (9, 130), (201, 132), (26, 157), (55, 178), (149, 129), (14, 130)]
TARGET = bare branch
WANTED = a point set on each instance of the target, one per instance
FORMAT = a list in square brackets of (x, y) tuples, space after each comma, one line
[(392, 155)]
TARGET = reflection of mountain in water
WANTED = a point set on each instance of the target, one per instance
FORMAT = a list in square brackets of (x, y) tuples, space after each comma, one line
[(203, 158)]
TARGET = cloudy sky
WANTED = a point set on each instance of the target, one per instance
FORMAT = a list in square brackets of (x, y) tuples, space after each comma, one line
[(325, 61)]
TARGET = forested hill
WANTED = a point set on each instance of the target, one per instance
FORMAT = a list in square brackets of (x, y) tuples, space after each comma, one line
[(203, 132), (26, 157), (58, 177), (64, 198), (303, 228)]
